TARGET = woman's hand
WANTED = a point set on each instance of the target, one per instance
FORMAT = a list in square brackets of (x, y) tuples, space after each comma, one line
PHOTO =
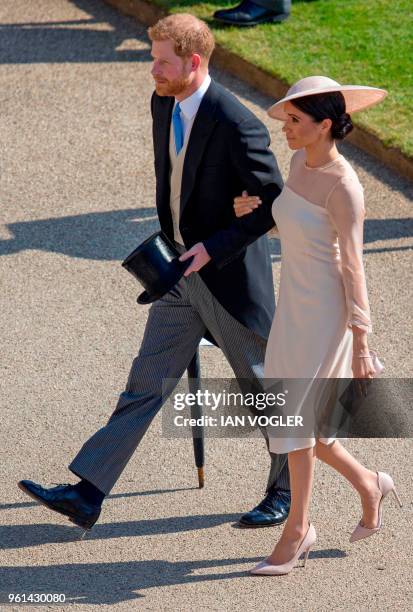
[(362, 367), (363, 373), (362, 364), (245, 204)]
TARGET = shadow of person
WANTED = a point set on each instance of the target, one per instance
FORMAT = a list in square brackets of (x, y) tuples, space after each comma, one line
[(80, 40), (112, 583), (106, 236), (111, 235), (33, 504), (374, 230), (25, 536), (387, 229)]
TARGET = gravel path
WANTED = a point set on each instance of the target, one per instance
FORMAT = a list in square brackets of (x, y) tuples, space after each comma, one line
[(77, 194)]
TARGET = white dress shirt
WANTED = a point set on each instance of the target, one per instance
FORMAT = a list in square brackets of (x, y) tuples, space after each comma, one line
[(189, 109), (190, 106)]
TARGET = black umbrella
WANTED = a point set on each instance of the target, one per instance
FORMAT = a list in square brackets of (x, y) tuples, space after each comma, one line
[(194, 382)]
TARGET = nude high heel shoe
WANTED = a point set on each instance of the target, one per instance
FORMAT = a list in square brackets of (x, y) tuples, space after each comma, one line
[(385, 484), (265, 569)]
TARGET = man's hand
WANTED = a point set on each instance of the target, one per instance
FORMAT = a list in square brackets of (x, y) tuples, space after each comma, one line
[(200, 258)]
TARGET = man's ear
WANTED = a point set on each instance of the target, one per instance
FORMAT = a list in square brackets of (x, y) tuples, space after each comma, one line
[(195, 61)]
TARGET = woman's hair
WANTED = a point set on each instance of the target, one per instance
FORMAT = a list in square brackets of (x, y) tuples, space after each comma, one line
[(189, 35), (329, 105)]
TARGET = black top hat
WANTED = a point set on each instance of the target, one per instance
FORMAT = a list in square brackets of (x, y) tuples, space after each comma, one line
[(155, 263)]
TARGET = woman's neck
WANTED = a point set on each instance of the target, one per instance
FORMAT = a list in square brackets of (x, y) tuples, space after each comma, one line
[(321, 153)]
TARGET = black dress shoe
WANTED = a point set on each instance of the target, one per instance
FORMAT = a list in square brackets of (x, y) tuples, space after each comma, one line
[(248, 13), (64, 499), (273, 510)]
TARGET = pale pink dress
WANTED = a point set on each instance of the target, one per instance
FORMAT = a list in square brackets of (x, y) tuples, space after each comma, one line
[(322, 293)]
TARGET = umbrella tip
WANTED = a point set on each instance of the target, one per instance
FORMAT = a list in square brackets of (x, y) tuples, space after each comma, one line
[(201, 477)]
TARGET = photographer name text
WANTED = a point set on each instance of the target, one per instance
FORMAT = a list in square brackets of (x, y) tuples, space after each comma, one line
[(239, 421)]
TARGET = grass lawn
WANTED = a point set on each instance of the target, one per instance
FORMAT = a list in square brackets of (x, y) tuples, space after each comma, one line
[(368, 42)]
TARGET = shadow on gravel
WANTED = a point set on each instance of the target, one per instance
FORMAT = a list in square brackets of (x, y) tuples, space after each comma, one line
[(98, 236), (111, 583), (80, 40), (108, 236), (103, 236), (19, 505), (24, 536)]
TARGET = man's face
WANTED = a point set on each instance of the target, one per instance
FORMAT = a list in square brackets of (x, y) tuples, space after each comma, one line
[(172, 74)]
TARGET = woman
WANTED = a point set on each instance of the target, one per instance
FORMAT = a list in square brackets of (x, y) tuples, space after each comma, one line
[(322, 317)]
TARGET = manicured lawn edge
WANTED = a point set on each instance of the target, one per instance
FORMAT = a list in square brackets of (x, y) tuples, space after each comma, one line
[(147, 13)]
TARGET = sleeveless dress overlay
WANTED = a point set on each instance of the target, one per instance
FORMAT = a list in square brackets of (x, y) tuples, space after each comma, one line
[(322, 293)]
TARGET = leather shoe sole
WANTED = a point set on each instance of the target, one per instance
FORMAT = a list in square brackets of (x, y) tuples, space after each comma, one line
[(258, 525), (74, 518)]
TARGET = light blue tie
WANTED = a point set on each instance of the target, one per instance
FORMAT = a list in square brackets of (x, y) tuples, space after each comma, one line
[(178, 129)]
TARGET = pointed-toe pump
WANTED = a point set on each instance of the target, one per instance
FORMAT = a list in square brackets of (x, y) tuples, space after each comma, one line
[(385, 484), (265, 569)]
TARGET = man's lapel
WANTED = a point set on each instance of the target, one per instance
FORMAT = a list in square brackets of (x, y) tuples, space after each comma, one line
[(201, 131), (162, 127)]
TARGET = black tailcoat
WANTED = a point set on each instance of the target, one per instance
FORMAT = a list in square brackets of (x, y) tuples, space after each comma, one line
[(228, 152)]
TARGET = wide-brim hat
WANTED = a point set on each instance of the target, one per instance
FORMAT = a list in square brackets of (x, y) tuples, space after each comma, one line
[(155, 264), (357, 97)]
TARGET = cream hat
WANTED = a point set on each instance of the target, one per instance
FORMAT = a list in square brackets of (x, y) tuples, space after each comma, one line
[(357, 97)]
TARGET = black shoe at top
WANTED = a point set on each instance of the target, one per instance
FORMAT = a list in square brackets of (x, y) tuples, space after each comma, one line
[(272, 510), (64, 499), (247, 13)]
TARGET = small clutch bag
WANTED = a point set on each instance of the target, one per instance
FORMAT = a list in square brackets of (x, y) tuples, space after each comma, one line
[(377, 364)]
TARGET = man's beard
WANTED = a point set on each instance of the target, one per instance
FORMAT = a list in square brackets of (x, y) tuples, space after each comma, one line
[(172, 88)]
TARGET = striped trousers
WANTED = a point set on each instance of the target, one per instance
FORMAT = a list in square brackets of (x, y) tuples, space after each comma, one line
[(176, 324)]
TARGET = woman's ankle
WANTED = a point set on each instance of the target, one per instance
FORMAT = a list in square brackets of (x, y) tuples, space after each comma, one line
[(368, 485), (296, 528)]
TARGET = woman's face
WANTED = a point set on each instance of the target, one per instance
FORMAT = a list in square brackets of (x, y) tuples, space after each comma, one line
[(301, 130)]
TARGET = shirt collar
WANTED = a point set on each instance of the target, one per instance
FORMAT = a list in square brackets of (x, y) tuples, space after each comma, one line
[(190, 106)]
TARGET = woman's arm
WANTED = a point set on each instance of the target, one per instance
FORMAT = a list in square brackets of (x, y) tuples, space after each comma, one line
[(345, 206)]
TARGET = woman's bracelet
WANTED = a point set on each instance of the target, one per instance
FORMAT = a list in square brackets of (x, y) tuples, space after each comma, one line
[(363, 356)]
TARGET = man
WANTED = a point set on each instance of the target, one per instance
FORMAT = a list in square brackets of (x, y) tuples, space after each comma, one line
[(208, 149), (249, 13)]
